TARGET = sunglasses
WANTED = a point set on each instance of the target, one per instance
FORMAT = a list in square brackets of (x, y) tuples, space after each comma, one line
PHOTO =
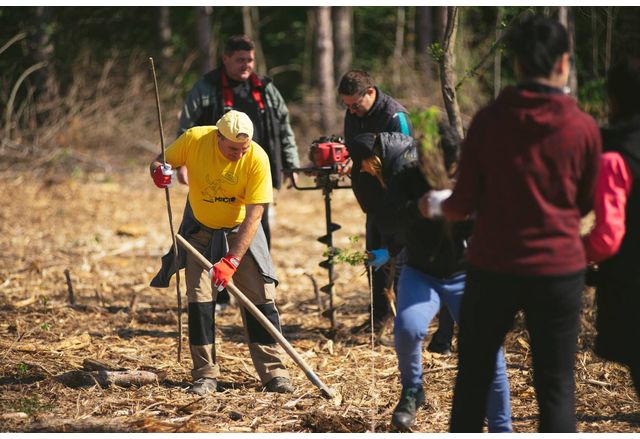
[(356, 105)]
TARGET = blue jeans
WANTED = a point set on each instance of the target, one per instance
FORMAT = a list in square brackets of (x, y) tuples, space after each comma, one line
[(419, 299)]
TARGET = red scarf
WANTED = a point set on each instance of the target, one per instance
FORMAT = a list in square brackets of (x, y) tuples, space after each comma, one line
[(227, 91)]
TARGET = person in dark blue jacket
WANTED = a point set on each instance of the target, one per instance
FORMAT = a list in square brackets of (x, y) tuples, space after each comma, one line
[(369, 110), (435, 270)]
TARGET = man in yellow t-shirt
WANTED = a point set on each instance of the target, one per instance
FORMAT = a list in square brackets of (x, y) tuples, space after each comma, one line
[(229, 185)]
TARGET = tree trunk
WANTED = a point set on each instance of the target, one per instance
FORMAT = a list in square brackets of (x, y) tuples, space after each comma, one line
[(343, 39), (447, 73), (308, 74), (594, 42), (47, 87), (398, 47), (609, 42), (565, 17), (424, 39), (251, 25), (164, 33), (215, 46), (204, 37), (497, 57), (410, 39), (46, 80), (326, 85), (441, 22)]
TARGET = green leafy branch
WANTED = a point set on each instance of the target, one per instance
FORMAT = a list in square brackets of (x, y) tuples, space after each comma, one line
[(350, 255)]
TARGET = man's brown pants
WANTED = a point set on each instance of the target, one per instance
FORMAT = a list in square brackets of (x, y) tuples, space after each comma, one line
[(265, 353)]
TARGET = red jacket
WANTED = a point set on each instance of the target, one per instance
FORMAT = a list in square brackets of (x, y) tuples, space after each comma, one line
[(615, 181), (528, 171)]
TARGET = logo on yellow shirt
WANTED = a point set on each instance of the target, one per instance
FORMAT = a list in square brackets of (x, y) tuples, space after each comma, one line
[(214, 192)]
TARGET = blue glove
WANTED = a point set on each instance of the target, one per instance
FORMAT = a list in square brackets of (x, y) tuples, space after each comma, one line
[(378, 257)]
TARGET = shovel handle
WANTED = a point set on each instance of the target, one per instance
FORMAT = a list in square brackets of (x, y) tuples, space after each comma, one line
[(204, 263)]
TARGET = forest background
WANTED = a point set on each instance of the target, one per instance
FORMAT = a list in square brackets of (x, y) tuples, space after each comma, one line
[(76, 79)]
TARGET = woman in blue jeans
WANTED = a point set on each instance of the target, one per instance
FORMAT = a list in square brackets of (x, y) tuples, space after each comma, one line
[(419, 298), (434, 272)]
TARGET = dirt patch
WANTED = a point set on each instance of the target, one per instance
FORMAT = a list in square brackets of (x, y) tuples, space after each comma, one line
[(110, 235)]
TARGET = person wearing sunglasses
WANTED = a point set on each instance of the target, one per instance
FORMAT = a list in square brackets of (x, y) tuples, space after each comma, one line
[(369, 110)]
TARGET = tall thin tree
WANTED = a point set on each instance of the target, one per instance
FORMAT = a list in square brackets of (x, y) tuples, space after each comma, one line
[(497, 57), (342, 39), (398, 48), (47, 87), (595, 39), (565, 17), (447, 72), (424, 32), (326, 84), (410, 38), (43, 50), (308, 76), (441, 22), (609, 40), (251, 25), (164, 32), (203, 14)]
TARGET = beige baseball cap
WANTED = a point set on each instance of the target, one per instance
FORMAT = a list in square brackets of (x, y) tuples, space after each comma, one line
[(234, 125)]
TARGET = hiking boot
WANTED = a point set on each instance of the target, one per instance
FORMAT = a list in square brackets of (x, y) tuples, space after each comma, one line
[(279, 385), (202, 386), (439, 348), (404, 415)]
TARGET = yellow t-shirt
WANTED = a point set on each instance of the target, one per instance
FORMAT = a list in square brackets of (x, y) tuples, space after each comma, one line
[(219, 189)]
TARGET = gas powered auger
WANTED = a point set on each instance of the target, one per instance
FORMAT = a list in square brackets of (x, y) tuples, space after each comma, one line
[(329, 157)]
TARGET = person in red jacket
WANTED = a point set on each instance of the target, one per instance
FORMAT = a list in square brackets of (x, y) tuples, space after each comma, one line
[(614, 242), (527, 172)]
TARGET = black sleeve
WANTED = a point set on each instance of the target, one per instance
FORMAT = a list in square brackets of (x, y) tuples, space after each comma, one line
[(399, 208)]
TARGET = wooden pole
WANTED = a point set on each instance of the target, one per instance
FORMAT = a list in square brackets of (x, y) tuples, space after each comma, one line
[(72, 299), (249, 306), (168, 198)]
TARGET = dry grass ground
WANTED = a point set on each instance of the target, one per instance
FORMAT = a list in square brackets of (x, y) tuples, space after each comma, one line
[(110, 235)]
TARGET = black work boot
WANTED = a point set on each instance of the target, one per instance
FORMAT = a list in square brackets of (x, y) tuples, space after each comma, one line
[(439, 348), (404, 415), (202, 386), (279, 385)]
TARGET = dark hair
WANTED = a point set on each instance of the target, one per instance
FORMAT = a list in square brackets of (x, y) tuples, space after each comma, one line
[(623, 87), (238, 42), (537, 43), (363, 146), (355, 82), (450, 143)]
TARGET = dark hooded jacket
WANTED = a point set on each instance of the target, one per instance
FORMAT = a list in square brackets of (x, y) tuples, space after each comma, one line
[(528, 170), (433, 247), (386, 115)]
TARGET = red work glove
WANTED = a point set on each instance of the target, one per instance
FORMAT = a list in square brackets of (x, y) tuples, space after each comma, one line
[(162, 176), (222, 271)]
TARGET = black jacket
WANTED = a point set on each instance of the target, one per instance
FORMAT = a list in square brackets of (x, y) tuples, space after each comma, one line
[(433, 247), (386, 115), (624, 138), (204, 106)]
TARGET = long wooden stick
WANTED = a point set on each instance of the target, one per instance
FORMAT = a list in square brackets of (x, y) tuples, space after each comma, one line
[(168, 198), (249, 306)]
